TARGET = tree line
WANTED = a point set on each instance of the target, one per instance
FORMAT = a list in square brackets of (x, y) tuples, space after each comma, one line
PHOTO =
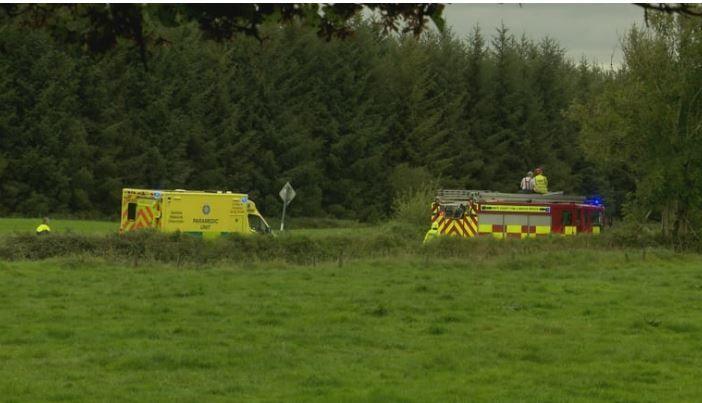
[(349, 122), (646, 123)]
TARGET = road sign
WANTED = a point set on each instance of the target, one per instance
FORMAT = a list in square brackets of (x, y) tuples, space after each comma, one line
[(287, 193)]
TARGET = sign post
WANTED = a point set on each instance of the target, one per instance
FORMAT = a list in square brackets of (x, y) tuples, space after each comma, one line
[(287, 193)]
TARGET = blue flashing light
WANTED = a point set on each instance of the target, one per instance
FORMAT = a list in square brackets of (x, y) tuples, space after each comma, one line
[(594, 201)]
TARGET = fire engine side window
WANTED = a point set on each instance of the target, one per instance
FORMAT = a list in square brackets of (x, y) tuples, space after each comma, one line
[(596, 217), (567, 218), (131, 211)]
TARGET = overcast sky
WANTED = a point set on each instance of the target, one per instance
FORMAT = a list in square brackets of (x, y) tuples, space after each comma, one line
[(593, 30)]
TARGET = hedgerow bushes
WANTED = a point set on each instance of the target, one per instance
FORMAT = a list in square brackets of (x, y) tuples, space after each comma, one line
[(178, 248), (393, 239)]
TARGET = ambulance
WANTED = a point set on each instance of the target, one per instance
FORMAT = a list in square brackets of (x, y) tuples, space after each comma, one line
[(207, 214)]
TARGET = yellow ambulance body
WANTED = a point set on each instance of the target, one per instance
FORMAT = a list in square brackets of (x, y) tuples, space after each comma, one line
[(200, 213)]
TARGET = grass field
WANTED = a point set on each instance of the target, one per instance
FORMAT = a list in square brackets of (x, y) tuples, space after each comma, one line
[(13, 225), (551, 326)]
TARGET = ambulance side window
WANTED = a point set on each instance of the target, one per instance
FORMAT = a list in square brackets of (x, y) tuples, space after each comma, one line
[(567, 218), (131, 211)]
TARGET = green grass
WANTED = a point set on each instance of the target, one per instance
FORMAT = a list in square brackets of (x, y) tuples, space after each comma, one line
[(12, 225), (549, 326)]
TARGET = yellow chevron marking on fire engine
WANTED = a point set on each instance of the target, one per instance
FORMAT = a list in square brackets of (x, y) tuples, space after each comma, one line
[(455, 228), (467, 229), (442, 225), (434, 212), (449, 227), (463, 227), (472, 226), (508, 208)]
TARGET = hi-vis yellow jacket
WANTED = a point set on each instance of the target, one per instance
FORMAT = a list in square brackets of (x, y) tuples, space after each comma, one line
[(432, 234), (540, 184), (42, 228)]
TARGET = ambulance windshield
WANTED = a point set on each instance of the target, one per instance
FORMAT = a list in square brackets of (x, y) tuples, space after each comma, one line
[(256, 224)]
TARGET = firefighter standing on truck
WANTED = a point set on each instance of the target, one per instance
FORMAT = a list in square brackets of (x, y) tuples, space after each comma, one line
[(540, 182), (527, 184)]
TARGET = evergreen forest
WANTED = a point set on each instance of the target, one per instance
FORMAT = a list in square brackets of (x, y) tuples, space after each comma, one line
[(349, 122)]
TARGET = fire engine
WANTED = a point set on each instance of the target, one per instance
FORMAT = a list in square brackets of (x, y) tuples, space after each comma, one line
[(473, 213), (207, 214)]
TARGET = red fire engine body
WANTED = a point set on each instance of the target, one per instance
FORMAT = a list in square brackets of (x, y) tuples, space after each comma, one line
[(471, 213)]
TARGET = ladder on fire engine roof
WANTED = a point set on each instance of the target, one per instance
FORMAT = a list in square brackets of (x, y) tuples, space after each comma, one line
[(459, 195)]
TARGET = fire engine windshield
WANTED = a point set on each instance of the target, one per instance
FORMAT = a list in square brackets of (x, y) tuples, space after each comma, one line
[(454, 211)]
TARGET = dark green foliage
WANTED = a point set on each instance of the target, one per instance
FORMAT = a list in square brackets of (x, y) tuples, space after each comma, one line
[(99, 27), (645, 125), (146, 246), (349, 122)]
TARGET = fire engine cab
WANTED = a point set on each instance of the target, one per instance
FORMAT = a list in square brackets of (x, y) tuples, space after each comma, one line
[(472, 213)]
